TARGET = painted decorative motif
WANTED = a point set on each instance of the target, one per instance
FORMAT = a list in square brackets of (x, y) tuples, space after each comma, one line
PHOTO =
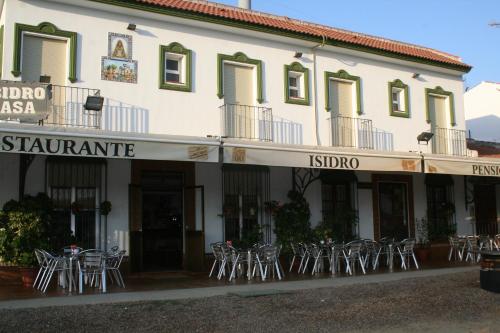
[(119, 46), (119, 70)]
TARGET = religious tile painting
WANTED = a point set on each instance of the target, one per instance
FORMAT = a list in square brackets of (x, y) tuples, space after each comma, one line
[(119, 70), (119, 46)]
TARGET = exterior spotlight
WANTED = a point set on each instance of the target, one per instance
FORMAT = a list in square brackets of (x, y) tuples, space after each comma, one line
[(416, 75), (131, 26), (44, 79), (298, 55), (425, 137), (94, 103)]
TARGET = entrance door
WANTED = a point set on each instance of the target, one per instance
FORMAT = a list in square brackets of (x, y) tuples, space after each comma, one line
[(162, 221), (342, 105), (486, 209), (393, 205), (238, 98), (437, 113)]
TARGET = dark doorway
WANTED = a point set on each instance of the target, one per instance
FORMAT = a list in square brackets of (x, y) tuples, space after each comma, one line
[(393, 207), (162, 220), (486, 209)]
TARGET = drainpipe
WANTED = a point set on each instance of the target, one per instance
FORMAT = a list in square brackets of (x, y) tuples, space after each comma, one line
[(315, 89)]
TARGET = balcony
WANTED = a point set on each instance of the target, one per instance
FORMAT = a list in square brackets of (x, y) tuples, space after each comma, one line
[(247, 122), (352, 132), (448, 141), (48, 104)]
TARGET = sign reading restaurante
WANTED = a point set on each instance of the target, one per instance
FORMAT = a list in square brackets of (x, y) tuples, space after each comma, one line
[(36, 145), (106, 147), (23, 101)]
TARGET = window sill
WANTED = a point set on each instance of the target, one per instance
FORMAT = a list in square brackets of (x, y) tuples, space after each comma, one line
[(175, 86), (401, 114), (297, 101)]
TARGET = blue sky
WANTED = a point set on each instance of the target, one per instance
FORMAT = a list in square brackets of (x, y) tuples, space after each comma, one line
[(459, 27)]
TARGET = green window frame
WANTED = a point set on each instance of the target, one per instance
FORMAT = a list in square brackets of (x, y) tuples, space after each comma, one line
[(342, 75), (176, 49), (406, 100), (297, 68), (238, 57), (451, 101), (1, 49), (47, 29)]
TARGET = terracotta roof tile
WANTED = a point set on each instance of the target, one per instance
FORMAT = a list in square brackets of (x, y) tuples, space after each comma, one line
[(316, 30)]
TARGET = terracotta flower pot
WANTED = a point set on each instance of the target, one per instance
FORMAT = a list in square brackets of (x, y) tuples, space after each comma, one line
[(423, 254), (28, 275)]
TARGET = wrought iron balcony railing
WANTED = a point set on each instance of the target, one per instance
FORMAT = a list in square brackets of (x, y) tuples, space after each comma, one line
[(48, 104), (68, 108), (247, 122), (352, 132), (448, 141)]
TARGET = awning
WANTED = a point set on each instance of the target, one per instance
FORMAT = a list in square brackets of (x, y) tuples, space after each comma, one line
[(44, 140), (263, 153), (470, 166)]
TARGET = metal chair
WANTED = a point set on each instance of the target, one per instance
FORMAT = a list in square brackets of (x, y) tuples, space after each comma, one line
[(457, 247), (269, 261), (113, 263), (473, 249), (353, 255), (91, 269), (406, 253), (220, 259), (55, 264)]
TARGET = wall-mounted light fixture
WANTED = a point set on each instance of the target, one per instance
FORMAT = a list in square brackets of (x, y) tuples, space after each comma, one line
[(131, 26), (416, 75), (425, 137), (298, 55), (94, 103)]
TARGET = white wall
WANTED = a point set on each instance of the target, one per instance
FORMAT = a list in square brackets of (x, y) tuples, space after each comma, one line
[(197, 113), (119, 172), (482, 111)]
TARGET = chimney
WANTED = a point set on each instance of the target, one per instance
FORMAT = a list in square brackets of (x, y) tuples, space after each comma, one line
[(245, 4)]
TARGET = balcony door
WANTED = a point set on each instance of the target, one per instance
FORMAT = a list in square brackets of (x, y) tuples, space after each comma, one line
[(343, 125), (44, 56), (47, 57), (239, 99), (437, 113)]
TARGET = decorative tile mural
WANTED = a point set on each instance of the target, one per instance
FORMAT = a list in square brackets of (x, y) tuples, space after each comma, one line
[(118, 64)]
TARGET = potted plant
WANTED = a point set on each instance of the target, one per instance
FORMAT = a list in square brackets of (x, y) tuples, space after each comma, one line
[(105, 208), (27, 225), (19, 239), (423, 249)]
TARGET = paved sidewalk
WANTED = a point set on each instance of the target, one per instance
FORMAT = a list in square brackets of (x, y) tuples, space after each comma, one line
[(265, 287)]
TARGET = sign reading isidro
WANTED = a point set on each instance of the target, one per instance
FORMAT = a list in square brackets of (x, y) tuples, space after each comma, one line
[(24, 101)]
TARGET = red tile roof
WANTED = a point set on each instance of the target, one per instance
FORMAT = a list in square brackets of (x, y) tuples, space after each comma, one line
[(333, 35)]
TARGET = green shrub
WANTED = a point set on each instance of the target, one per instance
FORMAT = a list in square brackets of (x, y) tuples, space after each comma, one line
[(292, 221), (27, 225)]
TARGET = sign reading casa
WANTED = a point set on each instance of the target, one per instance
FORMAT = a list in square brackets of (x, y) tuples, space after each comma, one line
[(19, 100), (56, 146)]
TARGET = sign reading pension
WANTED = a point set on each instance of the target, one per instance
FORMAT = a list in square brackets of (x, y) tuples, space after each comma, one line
[(24, 101), (322, 160), (106, 147), (471, 167)]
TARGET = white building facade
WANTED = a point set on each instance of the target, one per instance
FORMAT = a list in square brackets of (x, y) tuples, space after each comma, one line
[(482, 111), (210, 112)]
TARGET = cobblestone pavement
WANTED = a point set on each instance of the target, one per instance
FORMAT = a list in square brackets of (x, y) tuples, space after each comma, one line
[(449, 303)]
